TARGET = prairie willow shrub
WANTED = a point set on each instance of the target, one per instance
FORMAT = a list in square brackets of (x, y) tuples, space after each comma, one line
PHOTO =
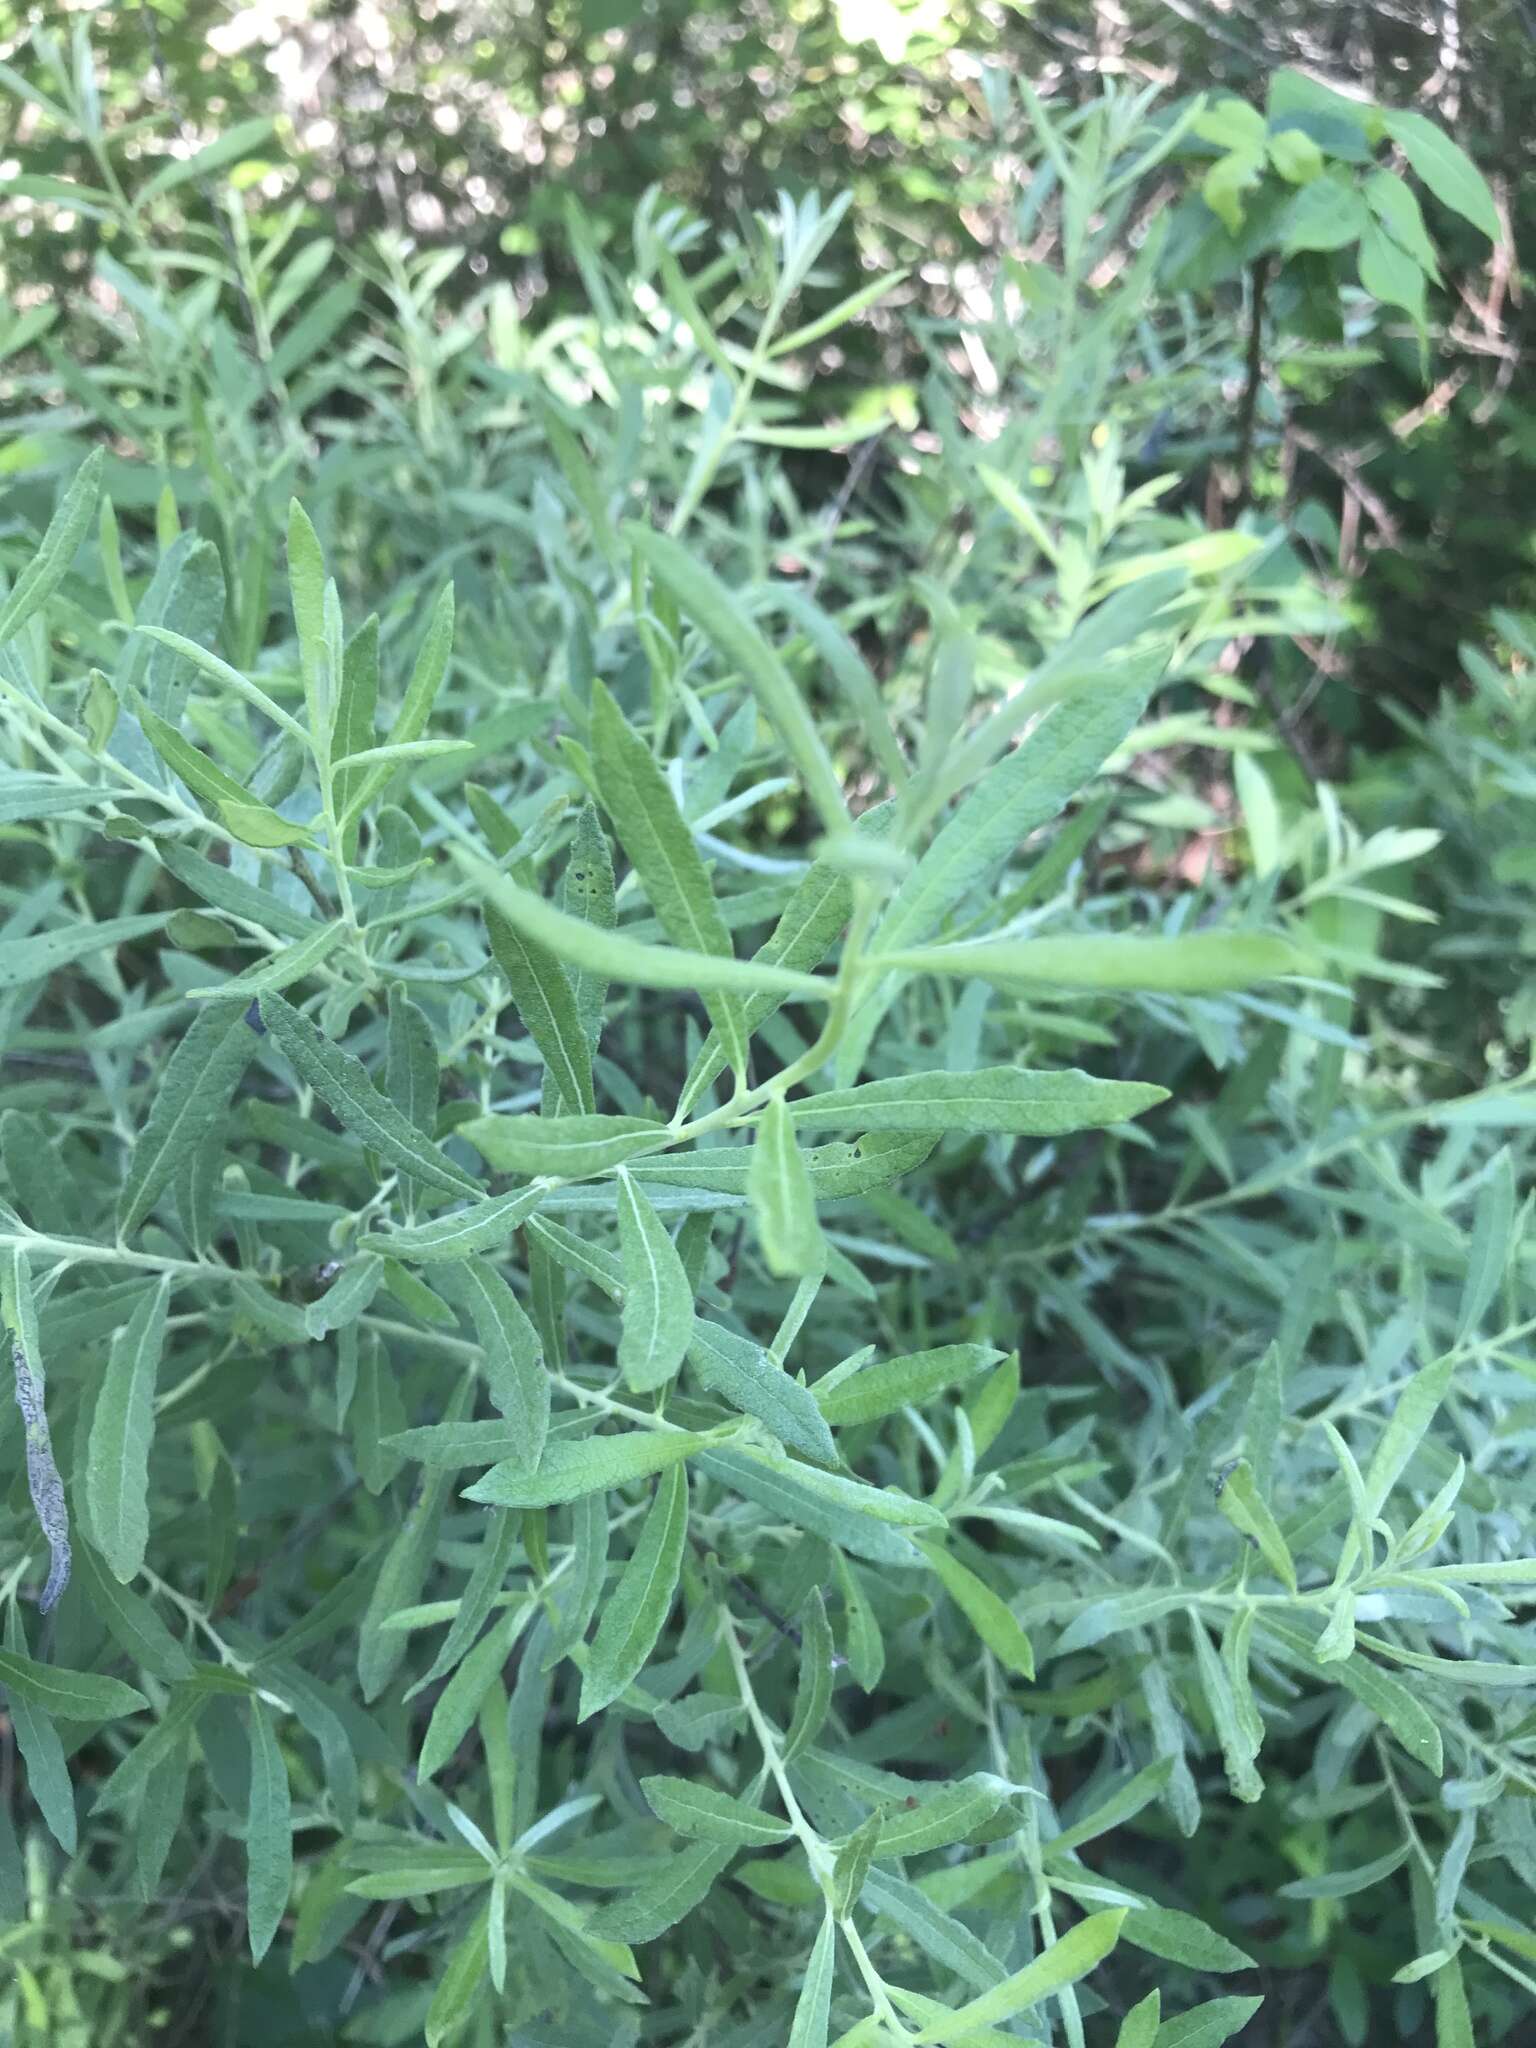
[(518, 1290)]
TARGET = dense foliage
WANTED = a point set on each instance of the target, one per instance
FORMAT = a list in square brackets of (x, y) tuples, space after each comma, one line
[(764, 1286)]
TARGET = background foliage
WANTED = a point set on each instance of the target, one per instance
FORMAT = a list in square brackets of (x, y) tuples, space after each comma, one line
[(1093, 1585)]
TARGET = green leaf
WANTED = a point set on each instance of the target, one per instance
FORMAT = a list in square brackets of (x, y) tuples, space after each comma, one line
[(35, 958), (842, 1514), (813, 1689), (404, 1569), (1208, 2025), (51, 564), (225, 891), (939, 1817), (1391, 275), (711, 1816), (1181, 1938), (1202, 963), (679, 1884), (656, 837), (615, 956), (1225, 183), (1121, 1805), (1237, 1746), (1343, 1884), (459, 1701), (343, 1084), (482, 1227), (1444, 167), (1247, 1511), (723, 620), (514, 1365), (635, 1615), (1493, 1242), (281, 969), (1327, 214), (1387, 1698), (1139, 2027), (1417, 1406), (458, 1988), (562, 1147), (851, 673), (68, 1695), (251, 821), (943, 1939), (42, 1752), (199, 1078), (1022, 792), (753, 1382), (122, 1430), (548, 1009), (892, 1384), (132, 1622), (850, 1866), (565, 1472), (1453, 2017), (988, 1615), (814, 2005), (1057, 1966), (268, 1837), (1394, 205), (657, 1320), (783, 1201), (1008, 1099)]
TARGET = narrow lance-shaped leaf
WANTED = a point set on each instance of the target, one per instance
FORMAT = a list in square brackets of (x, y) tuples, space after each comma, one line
[(587, 893), (722, 619), (711, 1816), (269, 1835), (987, 1613), (676, 1886), (892, 1384), (1017, 796), (1246, 1509), (482, 1227), (566, 1471), (779, 1189), (41, 1747), (547, 1007), (562, 1147), (617, 957), (1067, 1959), (514, 1365), (752, 1380), (656, 837), (248, 818), (1236, 1746), (636, 1614), (344, 1085), (1199, 963), (813, 1691), (195, 1088), (50, 565), (35, 958), (122, 1430), (1492, 1233), (658, 1300), (1009, 1099), (69, 1695), (813, 2007), (939, 1817)]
